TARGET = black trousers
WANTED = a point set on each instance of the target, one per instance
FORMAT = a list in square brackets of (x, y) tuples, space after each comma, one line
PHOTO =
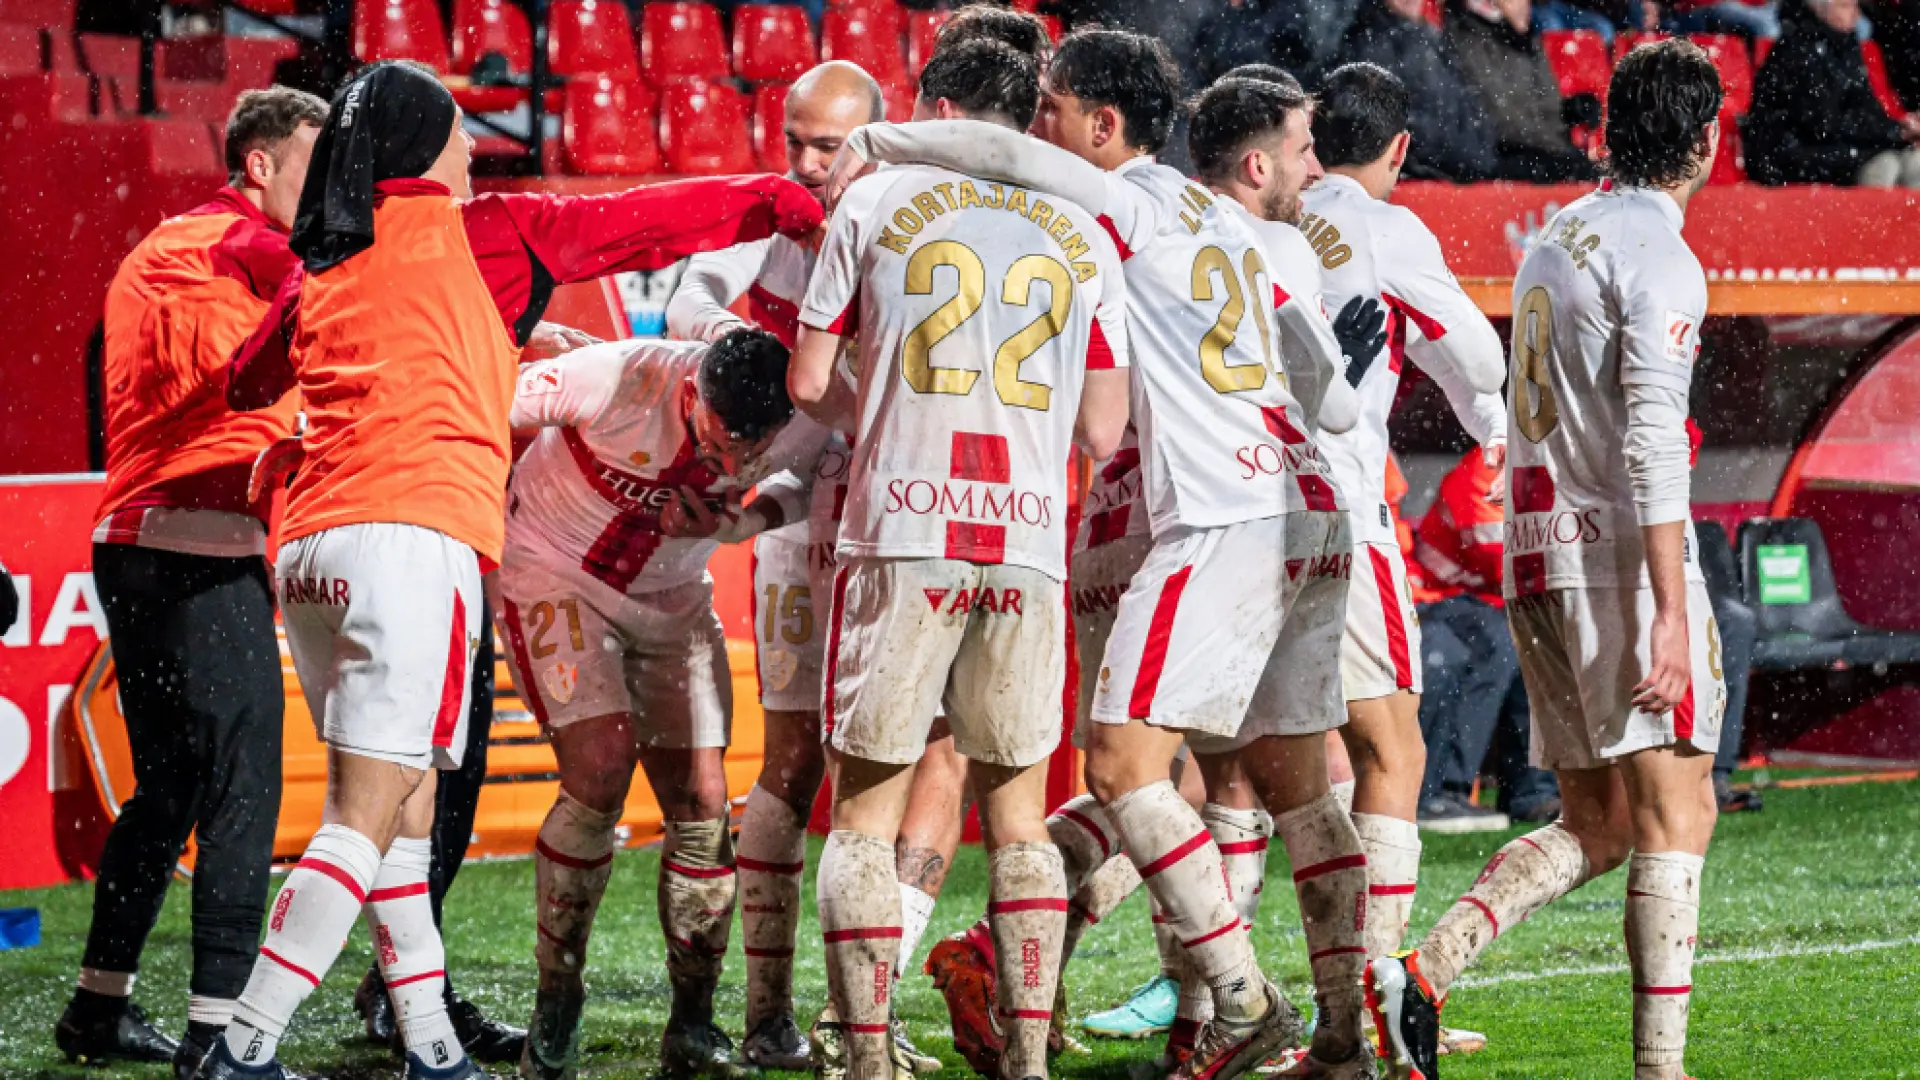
[(1473, 691), (200, 687)]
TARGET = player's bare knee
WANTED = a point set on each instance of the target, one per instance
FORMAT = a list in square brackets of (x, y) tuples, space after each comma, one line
[(1110, 776)]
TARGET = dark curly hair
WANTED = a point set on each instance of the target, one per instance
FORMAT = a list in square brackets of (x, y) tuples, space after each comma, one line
[(1020, 29), (743, 379), (1664, 98), (1133, 73), (986, 78)]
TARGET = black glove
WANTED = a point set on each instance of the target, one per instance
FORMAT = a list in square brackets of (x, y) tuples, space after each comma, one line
[(1362, 332), (9, 601)]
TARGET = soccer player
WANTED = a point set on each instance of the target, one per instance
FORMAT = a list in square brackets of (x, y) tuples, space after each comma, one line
[(643, 454), (1231, 478), (178, 558), (403, 334), (990, 330), (1371, 249), (1605, 597)]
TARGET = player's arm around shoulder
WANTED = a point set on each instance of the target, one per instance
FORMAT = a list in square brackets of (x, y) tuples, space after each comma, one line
[(830, 312), (699, 309)]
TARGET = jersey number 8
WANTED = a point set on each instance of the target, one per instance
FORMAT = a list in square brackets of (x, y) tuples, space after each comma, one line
[(1228, 378), (1535, 413), (916, 364)]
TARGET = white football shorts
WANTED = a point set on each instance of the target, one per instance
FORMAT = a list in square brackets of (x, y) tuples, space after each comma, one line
[(1582, 651), (1232, 633), (581, 650), (792, 591), (913, 637), (382, 620), (1380, 654), (1096, 580)]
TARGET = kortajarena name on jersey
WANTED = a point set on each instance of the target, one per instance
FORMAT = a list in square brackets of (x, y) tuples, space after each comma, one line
[(952, 198)]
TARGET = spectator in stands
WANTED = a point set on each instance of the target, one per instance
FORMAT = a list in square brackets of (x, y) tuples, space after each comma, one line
[(1229, 33), (1473, 685), (1815, 119), (1501, 58), (1753, 18), (1604, 17), (1453, 137)]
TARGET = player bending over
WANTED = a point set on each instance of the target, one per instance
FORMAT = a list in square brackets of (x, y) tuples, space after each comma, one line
[(991, 335), (1231, 477), (1609, 611), (645, 449)]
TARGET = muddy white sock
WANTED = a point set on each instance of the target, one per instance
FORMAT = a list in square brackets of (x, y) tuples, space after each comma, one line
[(1330, 880), (1393, 869), (1028, 915), (408, 949), (1103, 891), (860, 920), (306, 928), (1178, 861), (572, 860), (916, 911), (1194, 1009), (1343, 791), (697, 891), (1663, 922), (772, 858), (1520, 879), (1241, 836), (1172, 965)]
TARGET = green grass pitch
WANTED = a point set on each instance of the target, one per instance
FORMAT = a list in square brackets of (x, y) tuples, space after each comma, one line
[(1810, 949)]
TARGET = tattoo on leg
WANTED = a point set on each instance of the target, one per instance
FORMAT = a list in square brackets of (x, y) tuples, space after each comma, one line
[(921, 867)]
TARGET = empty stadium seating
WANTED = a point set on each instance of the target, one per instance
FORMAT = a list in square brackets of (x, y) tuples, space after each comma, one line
[(769, 127), (681, 41), (400, 30), (607, 127), (703, 128), (771, 42), (1729, 54), (1580, 61), (591, 37), (866, 38), (923, 30)]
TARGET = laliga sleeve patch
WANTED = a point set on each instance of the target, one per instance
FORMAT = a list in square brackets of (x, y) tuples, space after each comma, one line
[(1682, 343), (540, 380)]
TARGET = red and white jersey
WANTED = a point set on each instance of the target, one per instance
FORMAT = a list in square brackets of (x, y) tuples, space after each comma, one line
[(1375, 250), (1309, 352), (1607, 307), (977, 308), (1112, 509), (615, 449)]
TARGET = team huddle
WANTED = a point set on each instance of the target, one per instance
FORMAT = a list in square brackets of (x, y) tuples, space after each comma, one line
[(1008, 286)]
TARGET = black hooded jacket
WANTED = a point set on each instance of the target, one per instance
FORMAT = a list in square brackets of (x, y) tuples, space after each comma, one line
[(1453, 138), (1815, 119)]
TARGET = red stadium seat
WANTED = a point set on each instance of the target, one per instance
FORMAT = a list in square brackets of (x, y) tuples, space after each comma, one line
[(1761, 47), (1877, 75), (923, 32), (399, 30), (41, 14), (681, 41), (772, 42), (1579, 60), (491, 26), (899, 94), (591, 37), (769, 127), (1625, 40), (703, 128), (1730, 164), (864, 38), (1729, 53), (607, 128), (22, 52)]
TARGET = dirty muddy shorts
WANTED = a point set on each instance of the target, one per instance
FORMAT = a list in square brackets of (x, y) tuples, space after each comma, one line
[(790, 619), (1096, 580), (1232, 633), (1380, 653), (911, 638)]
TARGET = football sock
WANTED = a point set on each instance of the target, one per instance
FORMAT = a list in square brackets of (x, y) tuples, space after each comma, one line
[(1028, 915), (1520, 879), (773, 855), (916, 910), (1171, 963), (1393, 867), (698, 887), (1178, 861), (1103, 891), (860, 920), (1085, 836), (1330, 880), (1663, 921), (1343, 791), (1194, 1009), (1241, 836), (408, 949), (572, 860), (306, 928)]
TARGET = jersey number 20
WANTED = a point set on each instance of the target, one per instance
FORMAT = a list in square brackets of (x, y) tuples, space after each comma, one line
[(1228, 378), (1535, 413), (916, 364)]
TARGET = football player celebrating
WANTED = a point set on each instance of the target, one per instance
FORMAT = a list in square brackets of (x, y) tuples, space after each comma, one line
[(1604, 591), (1231, 477), (991, 336), (643, 452)]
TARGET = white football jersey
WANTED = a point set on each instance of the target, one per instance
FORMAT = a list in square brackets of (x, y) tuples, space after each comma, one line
[(1608, 302), (1222, 439), (1375, 250), (614, 449), (1309, 352), (977, 308)]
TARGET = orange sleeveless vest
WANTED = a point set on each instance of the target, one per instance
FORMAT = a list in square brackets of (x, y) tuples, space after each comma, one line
[(172, 324), (407, 374)]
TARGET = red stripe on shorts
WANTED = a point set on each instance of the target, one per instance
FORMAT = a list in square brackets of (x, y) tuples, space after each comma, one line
[(1153, 657), (1683, 715), (1396, 620), (833, 650), (1195, 843), (453, 689), (327, 869)]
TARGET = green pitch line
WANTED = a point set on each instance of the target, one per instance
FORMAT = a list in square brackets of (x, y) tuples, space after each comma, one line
[(1809, 927)]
